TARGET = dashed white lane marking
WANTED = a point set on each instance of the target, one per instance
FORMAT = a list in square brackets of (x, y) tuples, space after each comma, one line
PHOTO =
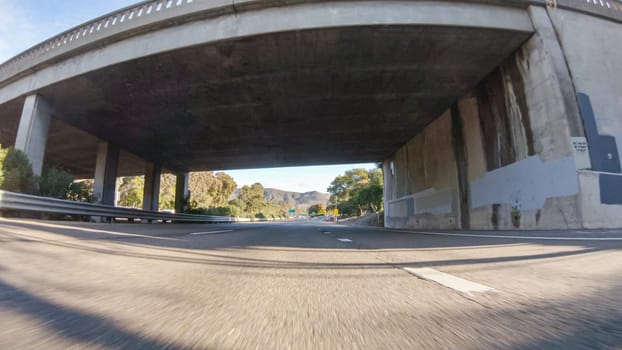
[(207, 233), (344, 240), (515, 237), (450, 281), (327, 232)]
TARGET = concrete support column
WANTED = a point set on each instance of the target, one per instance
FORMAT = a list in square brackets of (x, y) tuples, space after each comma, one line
[(32, 133), (151, 192), (182, 194), (106, 174)]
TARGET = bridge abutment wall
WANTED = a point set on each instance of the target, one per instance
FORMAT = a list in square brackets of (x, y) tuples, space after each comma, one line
[(592, 47), (519, 150)]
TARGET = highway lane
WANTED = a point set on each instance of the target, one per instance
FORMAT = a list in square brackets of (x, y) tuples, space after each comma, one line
[(303, 285)]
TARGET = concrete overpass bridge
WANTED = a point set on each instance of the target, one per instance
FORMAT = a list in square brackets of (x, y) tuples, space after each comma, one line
[(485, 113)]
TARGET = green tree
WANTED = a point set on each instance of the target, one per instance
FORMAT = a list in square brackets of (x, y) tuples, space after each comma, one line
[(209, 190), (55, 182), (357, 191), (317, 209), (251, 199), (226, 188), (234, 210), (167, 191), (131, 191), (81, 191), (202, 189), (17, 175), (274, 210), (219, 211), (371, 196)]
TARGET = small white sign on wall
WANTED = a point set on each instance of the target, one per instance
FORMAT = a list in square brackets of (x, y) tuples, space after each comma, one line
[(581, 152)]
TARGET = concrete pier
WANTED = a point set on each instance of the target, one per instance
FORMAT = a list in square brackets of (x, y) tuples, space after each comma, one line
[(32, 133)]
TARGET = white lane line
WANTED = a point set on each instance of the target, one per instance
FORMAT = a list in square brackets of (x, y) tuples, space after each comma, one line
[(515, 237), (327, 232), (450, 281), (112, 233), (207, 233), (344, 240)]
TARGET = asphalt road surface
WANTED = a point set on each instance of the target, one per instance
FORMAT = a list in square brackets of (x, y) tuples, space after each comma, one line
[(305, 285)]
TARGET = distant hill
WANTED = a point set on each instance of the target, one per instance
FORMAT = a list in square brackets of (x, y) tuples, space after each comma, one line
[(294, 199), (306, 199)]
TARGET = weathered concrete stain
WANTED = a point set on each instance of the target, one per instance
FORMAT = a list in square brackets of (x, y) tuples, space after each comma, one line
[(459, 145), (504, 115), (518, 113), (495, 127), (495, 217)]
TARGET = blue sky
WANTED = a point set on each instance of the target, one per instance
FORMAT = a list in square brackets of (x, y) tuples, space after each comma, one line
[(297, 179), (25, 23)]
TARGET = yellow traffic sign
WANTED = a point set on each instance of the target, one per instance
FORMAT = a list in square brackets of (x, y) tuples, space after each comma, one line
[(335, 211)]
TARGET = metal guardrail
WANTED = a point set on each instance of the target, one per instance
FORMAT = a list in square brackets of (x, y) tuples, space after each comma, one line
[(24, 202), (161, 13)]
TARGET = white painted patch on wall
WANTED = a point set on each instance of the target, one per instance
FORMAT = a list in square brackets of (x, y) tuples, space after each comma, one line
[(450, 281), (581, 153), (526, 184), (430, 201), (433, 201), (398, 208)]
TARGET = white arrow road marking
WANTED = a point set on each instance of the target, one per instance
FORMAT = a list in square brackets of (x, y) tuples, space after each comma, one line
[(450, 281), (207, 233)]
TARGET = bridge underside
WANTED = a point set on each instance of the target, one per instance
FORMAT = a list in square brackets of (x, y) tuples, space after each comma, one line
[(308, 97)]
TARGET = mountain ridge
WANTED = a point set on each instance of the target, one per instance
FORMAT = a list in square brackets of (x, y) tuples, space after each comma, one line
[(295, 199)]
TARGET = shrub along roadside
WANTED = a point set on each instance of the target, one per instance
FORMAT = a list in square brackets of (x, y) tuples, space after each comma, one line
[(17, 173), (230, 210), (16, 176), (55, 183)]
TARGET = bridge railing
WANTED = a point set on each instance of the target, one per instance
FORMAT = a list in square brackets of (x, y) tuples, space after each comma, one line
[(160, 13), (23, 202), (604, 8), (123, 22)]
